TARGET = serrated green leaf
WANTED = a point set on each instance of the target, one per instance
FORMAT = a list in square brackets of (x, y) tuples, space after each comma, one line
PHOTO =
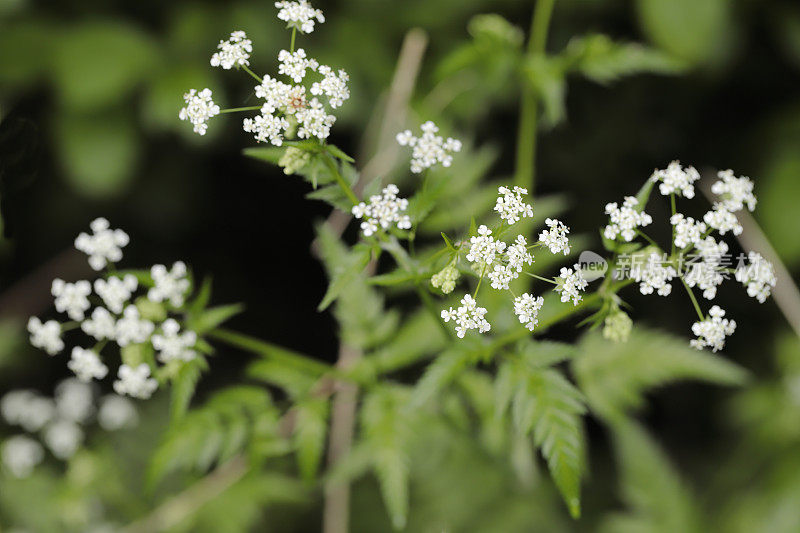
[(269, 154), (183, 386), (213, 317), (310, 431), (339, 154), (344, 266), (440, 373)]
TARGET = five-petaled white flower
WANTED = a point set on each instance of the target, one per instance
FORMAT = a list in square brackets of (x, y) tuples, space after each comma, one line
[(383, 210), (170, 285), (429, 148), (235, 51), (199, 109), (527, 308), (46, 336), (135, 382), (172, 344), (511, 206), (571, 283), (104, 245), (555, 238), (467, 316), (758, 276), (115, 291), (624, 220), (86, 364), (300, 15), (676, 180), (712, 331), (131, 328), (71, 298)]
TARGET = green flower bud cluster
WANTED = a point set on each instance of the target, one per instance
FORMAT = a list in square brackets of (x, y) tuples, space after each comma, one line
[(446, 279), (617, 326), (294, 159)]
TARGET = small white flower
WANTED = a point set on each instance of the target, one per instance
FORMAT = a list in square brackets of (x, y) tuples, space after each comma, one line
[(511, 206), (467, 316), (722, 220), (555, 238), (571, 283), (516, 256), (278, 95), (86, 364), (135, 382), (174, 345), (46, 336), (711, 332), (295, 64), (624, 220), (235, 51), (429, 148), (71, 298), (104, 245), (527, 308), (131, 328), (21, 454), (27, 409), (484, 249), (654, 276), (676, 180), (688, 231), (101, 326), (383, 210), (300, 15), (266, 127), (314, 121), (706, 273), (74, 400), (333, 85), (199, 109), (734, 192), (63, 437), (169, 284), (116, 412), (758, 277), (116, 292)]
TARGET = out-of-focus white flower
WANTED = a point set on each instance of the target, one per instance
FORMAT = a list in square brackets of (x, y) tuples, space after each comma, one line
[(711, 332), (484, 249), (676, 180), (333, 85), (46, 336), (723, 220), (295, 64), (86, 364), (300, 15), (511, 206), (71, 298), (235, 51), (172, 344), (131, 328), (467, 316), (654, 275), (688, 231), (116, 292), (104, 245), (135, 382), (527, 308), (27, 409), (571, 283), (383, 210), (758, 277), (555, 238), (101, 326), (74, 400), (63, 437), (116, 412), (734, 192), (429, 148), (199, 109), (170, 285), (21, 454), (624, 220)]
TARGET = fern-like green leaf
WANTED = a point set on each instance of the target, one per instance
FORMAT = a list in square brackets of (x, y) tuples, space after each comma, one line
[(310, 432)]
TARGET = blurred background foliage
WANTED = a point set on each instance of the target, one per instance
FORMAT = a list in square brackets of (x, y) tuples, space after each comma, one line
[(89, 95)]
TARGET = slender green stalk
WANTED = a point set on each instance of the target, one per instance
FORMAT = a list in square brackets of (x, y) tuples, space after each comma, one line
[(253, 74), (531, 274), (237, 109), (68, 326), (294, 34), (648, 239), (267, 349), (694, 300), (529, 112), (348, 191)]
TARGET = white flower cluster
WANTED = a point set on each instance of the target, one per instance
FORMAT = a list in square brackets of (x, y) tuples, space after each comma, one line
[(383, 210), (300, 15), (58, 421), (624, 220), (511, 206), (199, 109), (104, 245), (555, 238), (655, 275), (516, 257), (712, 331), (467, 316), (429, 148), (119, 319), (758, 276), (484, 248), (688, 231), (706, 273), (734, 195), (527, 308), (676, 180), (571, 283), (233, 52)]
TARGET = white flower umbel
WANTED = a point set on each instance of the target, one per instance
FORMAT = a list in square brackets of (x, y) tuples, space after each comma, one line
[(172, 344), (429, 148), (277, 95), (27, 409), (104, 245), (333, 85), (300, 15), (314, 121), (735, 193), (199, 109), (45, 336), (624, 220), (131, 328), (723, 220), (233, 52), (116, 292), (676, 180), (266, 127), (135, 382), (71, 298), (511, 206), (170, 285), (516, 257), (295, 64), (688, 231), (570, 284), (75, 400), (101, 326), (758, 277), (467, 316), (712, 331), (63, 437), (116, 412), (704, 269), (484, 249), (527, 308), (654, 275), (86, 364), (21, 454), (383, 210), (555, 238)]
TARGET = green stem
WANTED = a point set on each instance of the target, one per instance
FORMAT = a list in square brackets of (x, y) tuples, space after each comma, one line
[(648, 239), (68, 326), (541, 278), (294, 34), (529, 112), (478, 287), (269, 350), (348, 191), (694, 300), (237, 109), (253, 74)]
